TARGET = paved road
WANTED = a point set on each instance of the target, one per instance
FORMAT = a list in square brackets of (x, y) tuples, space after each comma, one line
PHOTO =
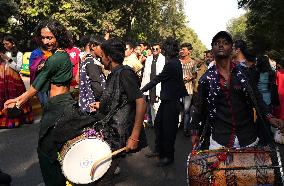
[(19, 159)]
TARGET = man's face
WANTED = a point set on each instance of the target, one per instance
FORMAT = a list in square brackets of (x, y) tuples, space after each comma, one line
[(142, 47), (138, 50), (128, 51), (221, 48), (96, 50), (183, 52), (208, 57), (235, 51), (48, 40), (156, 50)]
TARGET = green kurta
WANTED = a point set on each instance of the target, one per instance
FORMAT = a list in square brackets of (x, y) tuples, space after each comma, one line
[(57, 70)]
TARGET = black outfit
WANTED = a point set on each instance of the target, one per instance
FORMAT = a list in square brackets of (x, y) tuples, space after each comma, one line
[(119, 106), (221, 110), (119, 96), (5, 179), (166, 121), (152, 92)]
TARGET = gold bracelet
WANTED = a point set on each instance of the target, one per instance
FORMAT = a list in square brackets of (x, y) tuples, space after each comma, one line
[(133, 139)]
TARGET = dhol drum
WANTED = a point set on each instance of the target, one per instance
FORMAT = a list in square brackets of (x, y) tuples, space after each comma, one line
[(78, 155), (238, 167)]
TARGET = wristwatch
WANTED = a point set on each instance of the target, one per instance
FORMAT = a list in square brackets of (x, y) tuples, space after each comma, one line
[(10, 60)]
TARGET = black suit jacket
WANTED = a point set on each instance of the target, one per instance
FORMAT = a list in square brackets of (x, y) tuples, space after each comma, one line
[(171, 78)]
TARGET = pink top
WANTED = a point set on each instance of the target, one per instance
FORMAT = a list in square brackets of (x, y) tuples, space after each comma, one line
[(280, 83), (74, 53)]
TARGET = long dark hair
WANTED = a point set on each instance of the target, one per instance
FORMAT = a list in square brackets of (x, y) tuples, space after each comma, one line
[(58, 30), (14, 49), (170, 48), (263, 65)]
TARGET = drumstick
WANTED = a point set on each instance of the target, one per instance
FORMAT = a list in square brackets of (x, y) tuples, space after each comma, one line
[(95, 165)]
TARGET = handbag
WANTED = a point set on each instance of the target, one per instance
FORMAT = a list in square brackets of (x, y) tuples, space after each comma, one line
[(14, 112)]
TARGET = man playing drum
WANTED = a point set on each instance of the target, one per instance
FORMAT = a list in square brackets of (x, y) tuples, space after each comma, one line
[(226, 98), (123, 95)]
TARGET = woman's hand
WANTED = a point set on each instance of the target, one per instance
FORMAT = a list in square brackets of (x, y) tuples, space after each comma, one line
[(4, 57)]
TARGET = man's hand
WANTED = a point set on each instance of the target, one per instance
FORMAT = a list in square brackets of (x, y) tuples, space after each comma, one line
[(132, 144), (278, 123), (194, 140), (94, 106)]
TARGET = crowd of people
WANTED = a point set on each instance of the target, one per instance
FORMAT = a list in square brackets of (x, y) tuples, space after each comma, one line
[(215, 100)]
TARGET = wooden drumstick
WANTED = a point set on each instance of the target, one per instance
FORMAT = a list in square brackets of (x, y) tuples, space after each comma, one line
[(95, 165)]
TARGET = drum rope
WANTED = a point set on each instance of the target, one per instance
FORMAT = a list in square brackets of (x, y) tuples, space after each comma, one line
[(280, 164)]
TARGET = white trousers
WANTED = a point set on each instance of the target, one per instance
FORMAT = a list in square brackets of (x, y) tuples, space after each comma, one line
[(215, 145)]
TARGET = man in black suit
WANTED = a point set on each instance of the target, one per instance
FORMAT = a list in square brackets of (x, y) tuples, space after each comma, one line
[(172, 89)]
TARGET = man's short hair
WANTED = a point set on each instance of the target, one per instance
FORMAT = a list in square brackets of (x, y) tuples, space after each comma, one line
[(115, 49), (187, 45), (96, 40), (156, 43), (222, 34), (84, 40), (143, 43), (130, 44), (207, 51)]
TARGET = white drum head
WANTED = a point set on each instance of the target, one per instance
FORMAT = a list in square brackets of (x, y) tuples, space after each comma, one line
[(79, 159)]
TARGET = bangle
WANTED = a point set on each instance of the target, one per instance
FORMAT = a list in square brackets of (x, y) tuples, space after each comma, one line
[(133, 139)]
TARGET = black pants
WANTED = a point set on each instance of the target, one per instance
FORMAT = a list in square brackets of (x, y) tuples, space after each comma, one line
[(166, 126)]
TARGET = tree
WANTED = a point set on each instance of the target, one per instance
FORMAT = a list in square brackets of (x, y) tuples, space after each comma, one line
[(7, 9), (237, 27), (133, 20), (265, 25)]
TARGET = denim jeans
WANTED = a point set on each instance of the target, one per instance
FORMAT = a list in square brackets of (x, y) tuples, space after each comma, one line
[(42, 97)]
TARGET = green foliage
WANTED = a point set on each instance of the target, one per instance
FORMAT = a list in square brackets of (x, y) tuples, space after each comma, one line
[(265, 25), (149, 20), (7, 9), (237, 27)]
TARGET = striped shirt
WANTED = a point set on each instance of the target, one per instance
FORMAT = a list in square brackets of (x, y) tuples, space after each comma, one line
[(188, 69)]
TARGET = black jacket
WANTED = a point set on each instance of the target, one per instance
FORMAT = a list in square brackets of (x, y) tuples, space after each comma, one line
[(205, 110), (172, 85)]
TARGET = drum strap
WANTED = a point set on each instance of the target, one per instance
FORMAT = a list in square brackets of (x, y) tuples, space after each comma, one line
[(108, 117), (267, 136)]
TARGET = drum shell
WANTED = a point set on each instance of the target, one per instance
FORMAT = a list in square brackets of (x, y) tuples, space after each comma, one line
[(239, 168), (79, 154)]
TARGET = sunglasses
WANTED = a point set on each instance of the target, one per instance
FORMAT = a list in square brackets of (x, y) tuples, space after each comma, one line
[(155, 49)]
